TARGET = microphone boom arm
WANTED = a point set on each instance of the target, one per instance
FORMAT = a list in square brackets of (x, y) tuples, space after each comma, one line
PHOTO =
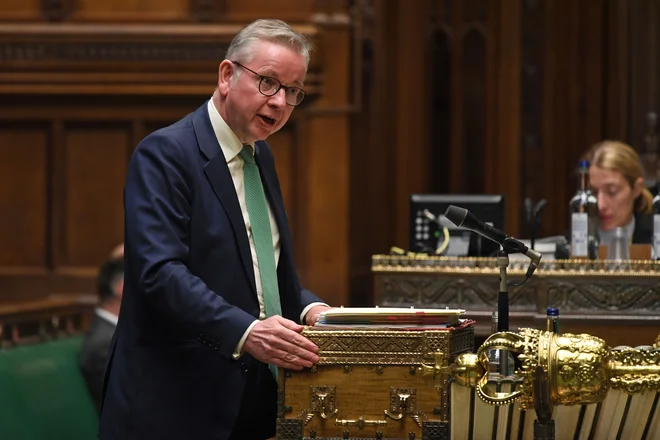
[(461, 217)]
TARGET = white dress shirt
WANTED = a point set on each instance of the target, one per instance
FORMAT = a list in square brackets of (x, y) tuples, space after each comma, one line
[(106, 315), (231, 147)]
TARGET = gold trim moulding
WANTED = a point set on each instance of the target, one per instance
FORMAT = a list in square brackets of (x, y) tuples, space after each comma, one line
[(378, 347), (425, 264)]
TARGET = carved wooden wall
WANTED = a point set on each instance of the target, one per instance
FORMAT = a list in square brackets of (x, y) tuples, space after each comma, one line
[(493, 96), (590, 72), (482, 96), (441, 107), (81, 83)]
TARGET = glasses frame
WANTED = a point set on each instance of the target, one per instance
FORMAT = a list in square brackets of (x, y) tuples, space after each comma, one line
[(279, 87)]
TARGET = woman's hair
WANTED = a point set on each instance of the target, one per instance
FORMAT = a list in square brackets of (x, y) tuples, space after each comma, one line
[(242, 48), (617, 156)]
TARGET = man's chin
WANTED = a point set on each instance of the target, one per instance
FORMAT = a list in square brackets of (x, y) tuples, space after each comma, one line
[(262, 135)]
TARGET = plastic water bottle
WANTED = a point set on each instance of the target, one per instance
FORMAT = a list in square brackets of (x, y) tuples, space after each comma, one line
[(552, 320), (584, 217), (656, 226)]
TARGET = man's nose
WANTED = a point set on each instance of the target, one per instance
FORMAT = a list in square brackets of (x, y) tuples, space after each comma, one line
[(279, 98)]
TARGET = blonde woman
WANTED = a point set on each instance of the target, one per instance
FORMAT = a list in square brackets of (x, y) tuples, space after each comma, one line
[(617, 180)]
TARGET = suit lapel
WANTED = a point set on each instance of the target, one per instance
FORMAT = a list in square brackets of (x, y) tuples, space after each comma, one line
[(217, 172), (269, 179)]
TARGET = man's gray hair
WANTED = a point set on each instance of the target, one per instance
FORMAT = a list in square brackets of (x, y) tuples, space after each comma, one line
[(242, 47)]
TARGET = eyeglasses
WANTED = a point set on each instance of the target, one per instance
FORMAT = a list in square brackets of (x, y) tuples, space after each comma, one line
[(268, 86)]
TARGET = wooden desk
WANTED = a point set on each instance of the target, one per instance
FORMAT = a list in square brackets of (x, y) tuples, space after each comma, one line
[(620, 305), (36, 320)]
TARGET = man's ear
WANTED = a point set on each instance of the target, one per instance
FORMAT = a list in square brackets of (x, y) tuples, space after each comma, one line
[(226, 71)]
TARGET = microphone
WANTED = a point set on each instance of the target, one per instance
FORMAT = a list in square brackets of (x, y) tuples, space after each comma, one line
[(463, 218), (538, 208), (528, 209)]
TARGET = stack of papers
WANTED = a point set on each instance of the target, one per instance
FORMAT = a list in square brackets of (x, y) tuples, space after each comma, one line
[(390, 317)]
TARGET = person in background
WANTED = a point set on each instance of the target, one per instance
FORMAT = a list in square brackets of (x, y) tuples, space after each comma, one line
[(118, 251), (94, 351), (212, 302), (617, 180)]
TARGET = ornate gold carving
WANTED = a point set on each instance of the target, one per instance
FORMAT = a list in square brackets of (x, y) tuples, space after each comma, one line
[(470, 292), (360, 422), (485, 266), (635, 370), (402, 401), (378, 347), (322, 401), (580, 367), (467, 370)]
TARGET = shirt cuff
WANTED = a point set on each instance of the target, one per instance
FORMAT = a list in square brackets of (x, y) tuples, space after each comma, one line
[(239, 347), (306, 309)]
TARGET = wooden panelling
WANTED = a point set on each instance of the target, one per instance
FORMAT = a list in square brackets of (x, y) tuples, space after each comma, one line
[(131, 10), (295, 11), (24, 168), (144, 11), (505, 165), (372, 168), (114, 71), (441, 109), (62, 175), (324, 169), (20, 10), (410, 105), (93, 171), (284, 149), (73, 190)]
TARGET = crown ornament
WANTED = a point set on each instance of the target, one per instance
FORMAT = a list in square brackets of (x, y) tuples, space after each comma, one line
[(580, 368)]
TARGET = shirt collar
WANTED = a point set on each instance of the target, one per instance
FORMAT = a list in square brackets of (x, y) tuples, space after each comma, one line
[(110, 317), (229, 142)]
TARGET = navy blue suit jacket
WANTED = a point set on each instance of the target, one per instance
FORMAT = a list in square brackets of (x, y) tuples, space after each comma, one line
[(189, 289)]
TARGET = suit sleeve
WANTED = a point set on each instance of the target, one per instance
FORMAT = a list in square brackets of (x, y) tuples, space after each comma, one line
[(157, 202)]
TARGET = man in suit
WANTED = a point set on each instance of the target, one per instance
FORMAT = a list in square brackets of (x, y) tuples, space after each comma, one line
[(212, 301), (94, 350)]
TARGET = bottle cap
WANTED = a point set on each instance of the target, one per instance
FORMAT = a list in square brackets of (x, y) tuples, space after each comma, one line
[(583, 164), (552, 311)]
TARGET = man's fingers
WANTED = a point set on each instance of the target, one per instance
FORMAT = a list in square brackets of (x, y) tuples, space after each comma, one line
[(304, 343), (306, 355), (289, 360), (289, 324)]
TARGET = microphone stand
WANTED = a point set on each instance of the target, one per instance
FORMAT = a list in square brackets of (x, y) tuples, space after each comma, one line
[(503, 306), (503, 296), (509, 246), (544, 426)]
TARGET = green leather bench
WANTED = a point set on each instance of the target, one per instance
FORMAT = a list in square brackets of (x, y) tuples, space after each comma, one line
[(43, 394)]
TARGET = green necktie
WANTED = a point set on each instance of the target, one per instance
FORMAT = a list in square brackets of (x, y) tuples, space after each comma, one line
[(255, 199)]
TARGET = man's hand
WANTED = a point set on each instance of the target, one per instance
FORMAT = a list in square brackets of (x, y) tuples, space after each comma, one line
[(312, 314), (278, 341)]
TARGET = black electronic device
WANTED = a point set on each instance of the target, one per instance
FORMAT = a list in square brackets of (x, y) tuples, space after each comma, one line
[(427, 220)]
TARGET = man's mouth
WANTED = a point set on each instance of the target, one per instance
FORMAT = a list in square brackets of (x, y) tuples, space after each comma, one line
[(267, 120)]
